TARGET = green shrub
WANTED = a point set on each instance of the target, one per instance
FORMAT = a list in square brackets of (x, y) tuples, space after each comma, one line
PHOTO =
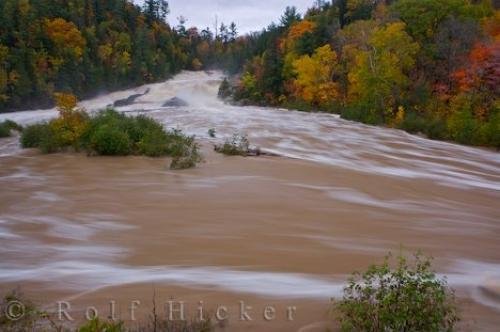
[(413, 123), (28, 317), (190, 158), (434, 128), (6, 127), (114, 134), (50, 143), (492, 130), (154, 144), (13, 125), (142, 126), (184, 150), (178, 144), (33, 135), (404, 298), (4, 131), (462, 127), (40, 136), (362, 114), (96, 325), (110, 141), (28, 314), (127, 135), (186, 326), (237, 145)]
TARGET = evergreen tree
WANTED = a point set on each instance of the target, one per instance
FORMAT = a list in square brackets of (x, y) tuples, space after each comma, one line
[(289, 17)]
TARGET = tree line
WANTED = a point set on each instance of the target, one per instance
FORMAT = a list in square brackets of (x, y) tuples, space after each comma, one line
[(426, 66), (87, 46)]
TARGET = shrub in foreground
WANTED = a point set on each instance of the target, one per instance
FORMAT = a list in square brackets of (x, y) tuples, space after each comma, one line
[(27, 316), (408, 297), (96, 325)]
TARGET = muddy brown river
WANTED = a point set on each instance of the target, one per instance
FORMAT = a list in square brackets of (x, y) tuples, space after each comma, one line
[(280, 231)]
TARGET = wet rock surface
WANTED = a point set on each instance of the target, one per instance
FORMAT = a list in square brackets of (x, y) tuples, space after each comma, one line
[(175, 102), (129, 100)]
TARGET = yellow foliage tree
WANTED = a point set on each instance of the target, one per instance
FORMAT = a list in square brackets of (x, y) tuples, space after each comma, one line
[(380, 74), (65, 36), (71, 123), (314, 82), (196, 64), (105, 53), (65, 102)]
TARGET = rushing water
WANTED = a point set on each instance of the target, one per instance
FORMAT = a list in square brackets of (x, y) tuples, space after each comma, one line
[(347, 195)]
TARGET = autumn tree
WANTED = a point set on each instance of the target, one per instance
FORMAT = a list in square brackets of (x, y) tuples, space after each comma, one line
[(314, 83), (71, 123), (66, 37), (380, 76), (453, 39), (482, 74)]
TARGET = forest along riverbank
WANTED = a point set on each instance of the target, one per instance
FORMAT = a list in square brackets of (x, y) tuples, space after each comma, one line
[(228, 229)]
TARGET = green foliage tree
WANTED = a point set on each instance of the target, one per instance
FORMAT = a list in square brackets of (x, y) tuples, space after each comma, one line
[(289, 17), (380, 75), (85, 46)]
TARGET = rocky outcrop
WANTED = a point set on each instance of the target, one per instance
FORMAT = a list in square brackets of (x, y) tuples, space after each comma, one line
[(175, 102), (129, 100)]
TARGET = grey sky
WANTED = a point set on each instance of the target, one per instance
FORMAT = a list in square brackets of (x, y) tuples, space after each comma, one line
[(249, 15)]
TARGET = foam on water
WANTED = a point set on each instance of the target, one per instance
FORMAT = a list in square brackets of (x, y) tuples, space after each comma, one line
[(86, 275)]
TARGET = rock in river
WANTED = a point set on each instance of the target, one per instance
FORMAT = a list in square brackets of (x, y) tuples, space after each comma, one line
[(175, 102)]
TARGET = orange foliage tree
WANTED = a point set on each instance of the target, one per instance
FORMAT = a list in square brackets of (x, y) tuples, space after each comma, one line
[(66, 37), (483, 70)]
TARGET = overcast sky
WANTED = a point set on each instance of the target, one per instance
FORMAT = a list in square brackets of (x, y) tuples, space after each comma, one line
[(249, 15)]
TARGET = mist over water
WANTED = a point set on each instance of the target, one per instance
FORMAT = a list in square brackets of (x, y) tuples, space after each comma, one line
[(48, 235)]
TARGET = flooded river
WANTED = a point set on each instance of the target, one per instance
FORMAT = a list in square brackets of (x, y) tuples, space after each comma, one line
[(283, 230)]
